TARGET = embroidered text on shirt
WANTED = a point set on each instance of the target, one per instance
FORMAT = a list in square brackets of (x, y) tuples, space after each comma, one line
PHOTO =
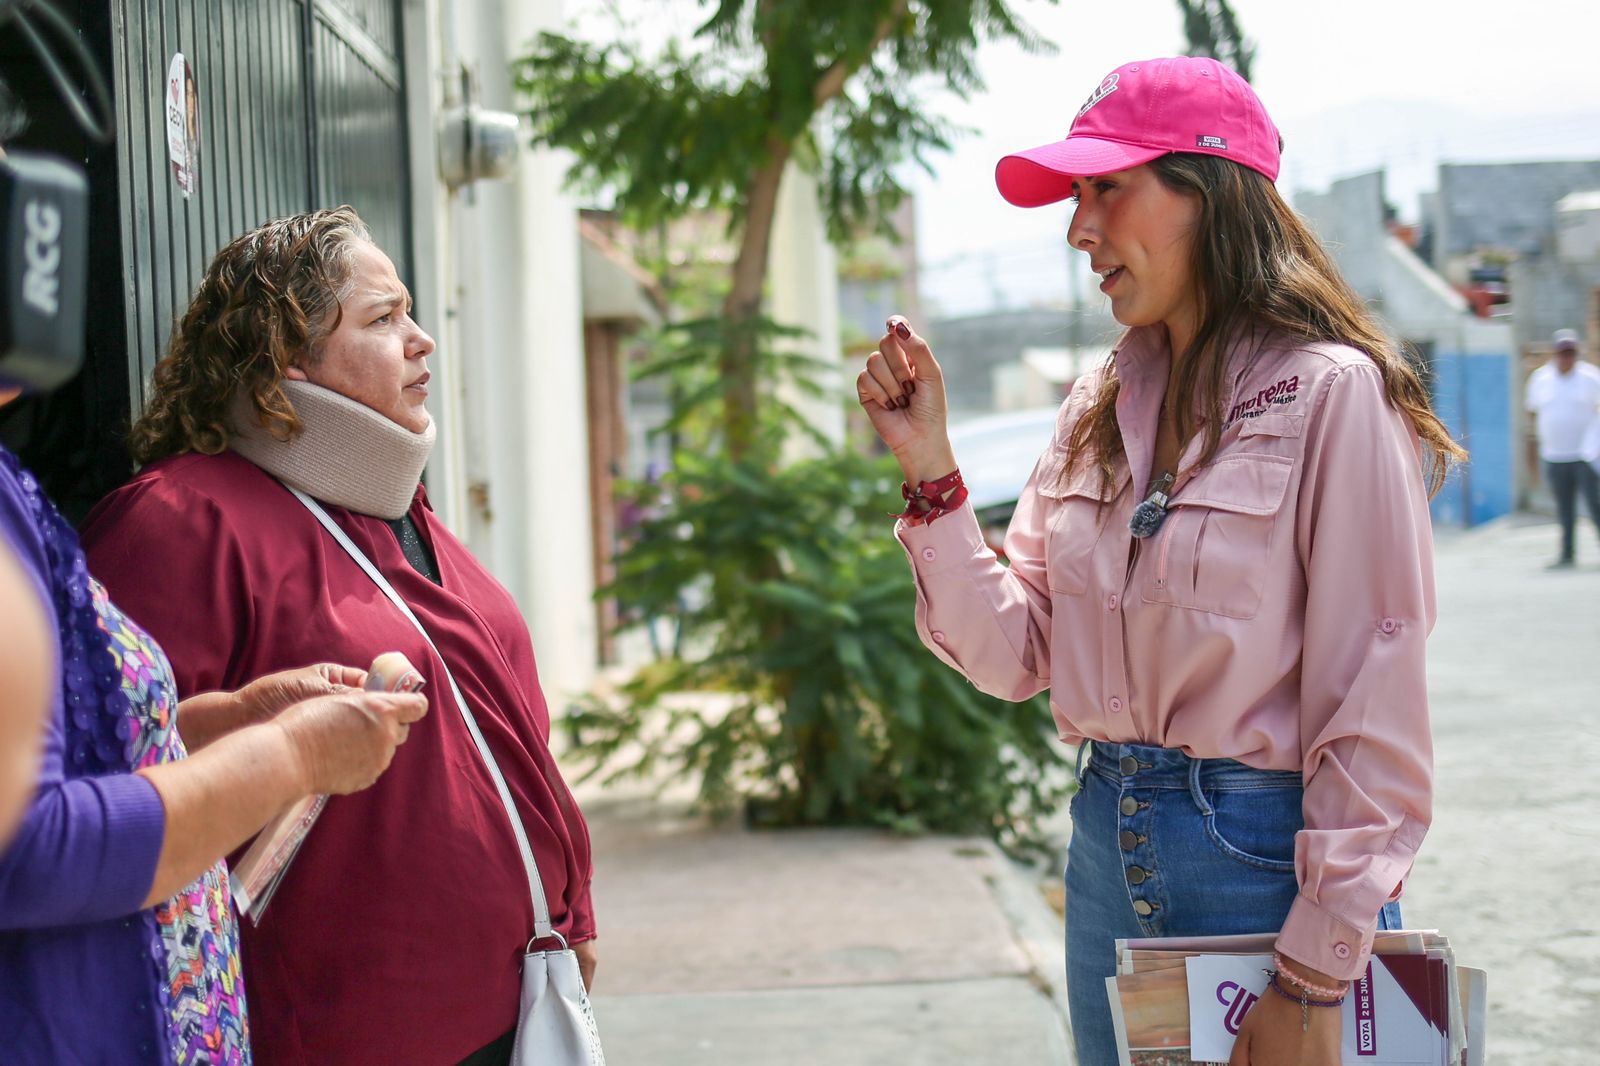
[(1285, 391)]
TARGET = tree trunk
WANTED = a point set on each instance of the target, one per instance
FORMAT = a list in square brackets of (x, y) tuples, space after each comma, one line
[(742, 307)]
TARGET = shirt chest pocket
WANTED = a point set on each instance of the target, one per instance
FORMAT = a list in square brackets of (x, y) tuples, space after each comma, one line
[(1211, 553), (1075, 527)]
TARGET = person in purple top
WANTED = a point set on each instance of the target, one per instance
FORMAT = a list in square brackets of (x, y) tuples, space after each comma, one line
[(26, 664), (117, 940)]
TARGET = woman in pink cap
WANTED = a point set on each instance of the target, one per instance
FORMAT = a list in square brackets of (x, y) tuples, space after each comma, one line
[(1221, 567)]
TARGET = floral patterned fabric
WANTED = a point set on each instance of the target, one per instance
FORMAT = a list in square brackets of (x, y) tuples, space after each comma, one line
[(199, 967)]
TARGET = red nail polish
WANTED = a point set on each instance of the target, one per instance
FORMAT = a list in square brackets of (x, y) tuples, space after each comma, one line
[(902, 330)]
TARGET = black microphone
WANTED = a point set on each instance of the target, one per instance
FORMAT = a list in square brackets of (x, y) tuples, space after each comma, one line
[(44, 236)]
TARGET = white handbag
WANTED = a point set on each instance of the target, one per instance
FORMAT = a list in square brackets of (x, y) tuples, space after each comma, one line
[(555, 1026)]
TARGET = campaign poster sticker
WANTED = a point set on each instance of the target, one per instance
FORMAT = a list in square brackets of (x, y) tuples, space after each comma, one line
[(183, 124)]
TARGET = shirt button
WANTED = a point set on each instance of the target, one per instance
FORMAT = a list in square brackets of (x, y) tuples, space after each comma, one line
[(929, 554), (1111, 602), (1389, 625), (1342, 950), (1115, 703), (938, 636)]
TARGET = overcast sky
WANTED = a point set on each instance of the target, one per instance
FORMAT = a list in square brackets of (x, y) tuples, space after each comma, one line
[(1353, 85)]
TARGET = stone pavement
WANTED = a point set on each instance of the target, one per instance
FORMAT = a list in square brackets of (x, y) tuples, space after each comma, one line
[(846, 947), (1511, 867)]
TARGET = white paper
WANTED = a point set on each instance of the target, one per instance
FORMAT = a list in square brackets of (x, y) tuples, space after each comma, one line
[(1389, 1032), (1386, 1029), (1222, 989)]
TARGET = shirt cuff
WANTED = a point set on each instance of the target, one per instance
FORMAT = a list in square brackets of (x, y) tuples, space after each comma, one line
[(943, 544), (1313, 936)]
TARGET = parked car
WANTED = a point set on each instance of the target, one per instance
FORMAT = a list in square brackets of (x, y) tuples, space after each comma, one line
[(997, 453)]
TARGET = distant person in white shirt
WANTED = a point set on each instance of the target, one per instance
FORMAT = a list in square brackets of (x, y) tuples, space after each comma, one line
[(1564, 397)]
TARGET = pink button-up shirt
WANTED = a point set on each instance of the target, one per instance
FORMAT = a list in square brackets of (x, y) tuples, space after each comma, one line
[(1277, 617)]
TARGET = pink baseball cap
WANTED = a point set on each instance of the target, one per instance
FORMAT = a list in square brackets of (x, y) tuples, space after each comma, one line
[(1139, 112)]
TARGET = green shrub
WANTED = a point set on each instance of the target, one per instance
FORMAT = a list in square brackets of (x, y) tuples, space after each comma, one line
[(794, 602)]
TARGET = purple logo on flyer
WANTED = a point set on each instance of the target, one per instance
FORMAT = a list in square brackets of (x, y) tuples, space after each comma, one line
[(1238, 1000), (1366, 1017)]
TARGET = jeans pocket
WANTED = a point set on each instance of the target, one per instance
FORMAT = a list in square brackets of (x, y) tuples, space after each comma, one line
[(1255, 826)]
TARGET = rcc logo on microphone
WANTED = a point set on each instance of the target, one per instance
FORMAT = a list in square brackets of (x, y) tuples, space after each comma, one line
[(41, 284)]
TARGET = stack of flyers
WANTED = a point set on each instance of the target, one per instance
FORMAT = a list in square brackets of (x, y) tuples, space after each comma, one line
[(255, 877), (259, 871), (1181, 1000)]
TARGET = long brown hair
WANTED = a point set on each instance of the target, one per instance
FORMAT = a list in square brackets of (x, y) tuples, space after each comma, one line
[(1255, 264), (267, 300)]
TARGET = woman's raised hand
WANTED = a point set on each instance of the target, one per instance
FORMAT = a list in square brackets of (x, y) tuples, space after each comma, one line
[(344, 741), (902, 391)]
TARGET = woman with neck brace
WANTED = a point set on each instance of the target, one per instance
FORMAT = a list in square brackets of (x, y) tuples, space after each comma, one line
[(397, 934), (1221, 567)]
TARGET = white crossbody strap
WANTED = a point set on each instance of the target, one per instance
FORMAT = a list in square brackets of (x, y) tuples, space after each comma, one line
[(541, 908)]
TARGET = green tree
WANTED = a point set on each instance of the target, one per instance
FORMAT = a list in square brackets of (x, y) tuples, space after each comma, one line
[(793, 600), (1212, 30), (833, 85)]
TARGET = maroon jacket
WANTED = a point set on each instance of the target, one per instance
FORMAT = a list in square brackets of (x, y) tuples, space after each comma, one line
[(397, 934)]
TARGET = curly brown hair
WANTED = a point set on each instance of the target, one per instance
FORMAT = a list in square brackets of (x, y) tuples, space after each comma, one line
[(1255, 263), (267, 301)]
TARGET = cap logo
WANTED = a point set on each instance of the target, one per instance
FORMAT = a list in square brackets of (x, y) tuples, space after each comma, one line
[(1105, 89), (1207, 141)]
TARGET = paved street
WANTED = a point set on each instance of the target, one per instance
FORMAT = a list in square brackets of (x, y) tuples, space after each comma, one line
[(848, 947), (1511, 868)]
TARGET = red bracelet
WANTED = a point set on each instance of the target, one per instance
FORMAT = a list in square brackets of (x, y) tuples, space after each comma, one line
[(928, 501)]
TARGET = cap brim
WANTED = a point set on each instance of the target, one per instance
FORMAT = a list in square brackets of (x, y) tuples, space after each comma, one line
[(1043, 175)]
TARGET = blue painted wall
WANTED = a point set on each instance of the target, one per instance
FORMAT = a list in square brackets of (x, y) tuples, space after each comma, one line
[(1472, 394)]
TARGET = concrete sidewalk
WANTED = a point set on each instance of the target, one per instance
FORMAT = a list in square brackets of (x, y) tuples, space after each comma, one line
[(846, 947)]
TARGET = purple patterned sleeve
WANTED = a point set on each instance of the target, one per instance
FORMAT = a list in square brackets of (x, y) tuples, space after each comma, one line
[(87, 847)]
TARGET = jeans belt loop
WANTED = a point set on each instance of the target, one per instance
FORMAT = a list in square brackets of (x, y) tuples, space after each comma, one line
[(1195, 791)]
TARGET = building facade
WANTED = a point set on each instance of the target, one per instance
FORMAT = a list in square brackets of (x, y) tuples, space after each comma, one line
[(1466, 359)]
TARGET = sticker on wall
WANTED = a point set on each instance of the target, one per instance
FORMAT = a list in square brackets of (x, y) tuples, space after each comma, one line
[(183, 124)]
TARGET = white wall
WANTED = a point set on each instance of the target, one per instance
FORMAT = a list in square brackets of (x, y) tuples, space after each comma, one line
[(512, 462), (1578, 227), (803, 283)]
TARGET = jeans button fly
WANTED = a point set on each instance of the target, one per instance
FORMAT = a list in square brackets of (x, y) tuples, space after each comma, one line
[(1128, 839), (1141, 908), (1128, 765), (1130, 806), (1137, 875)]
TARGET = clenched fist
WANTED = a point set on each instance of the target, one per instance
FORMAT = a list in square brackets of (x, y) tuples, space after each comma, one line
[(902, 392)]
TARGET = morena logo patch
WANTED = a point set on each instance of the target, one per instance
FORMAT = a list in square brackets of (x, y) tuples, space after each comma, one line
[(1285, 391)]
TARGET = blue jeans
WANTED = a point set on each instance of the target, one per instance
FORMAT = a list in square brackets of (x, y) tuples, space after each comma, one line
[(1166, 845)]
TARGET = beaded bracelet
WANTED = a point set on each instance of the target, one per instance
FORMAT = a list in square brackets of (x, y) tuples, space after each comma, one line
[(927, 502), (1300, 982), (1305, 1001)]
